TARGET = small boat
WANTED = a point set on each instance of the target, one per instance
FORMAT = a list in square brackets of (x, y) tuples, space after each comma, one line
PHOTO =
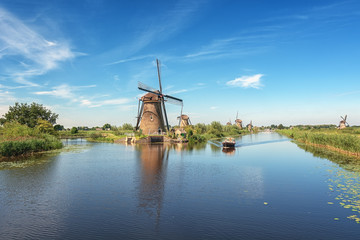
[(228, 143)]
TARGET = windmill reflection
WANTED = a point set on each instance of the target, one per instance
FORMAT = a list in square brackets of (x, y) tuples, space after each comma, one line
[(154, 159)]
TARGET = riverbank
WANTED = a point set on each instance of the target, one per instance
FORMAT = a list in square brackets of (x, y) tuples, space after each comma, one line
[(345, 142), (17, 139)]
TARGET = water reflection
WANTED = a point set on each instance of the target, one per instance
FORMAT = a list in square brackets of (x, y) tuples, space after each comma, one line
[(154, 161), (346, 162), (229, 151), (343, 179)]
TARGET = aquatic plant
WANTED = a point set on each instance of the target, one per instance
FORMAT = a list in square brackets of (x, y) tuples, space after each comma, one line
[(336, 139)]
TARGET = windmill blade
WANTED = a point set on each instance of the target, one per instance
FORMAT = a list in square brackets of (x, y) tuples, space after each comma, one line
[(166, 120), (342, 118), (146, 88), (158, 70), (173, 100), (140, 112), (180, 115), (345, 118)]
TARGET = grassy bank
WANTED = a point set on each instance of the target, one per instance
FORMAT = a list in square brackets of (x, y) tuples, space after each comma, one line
[(95, 136), (346, 141), (17, 139)]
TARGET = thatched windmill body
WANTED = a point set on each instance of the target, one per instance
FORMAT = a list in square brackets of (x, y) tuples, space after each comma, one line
[(249, 126), (152, 117), (184, 120), (343, 123), (238, 121)]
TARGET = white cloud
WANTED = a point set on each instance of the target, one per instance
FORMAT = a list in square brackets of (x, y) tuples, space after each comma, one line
[(62, 91), (247, 81), (6, 96), (118, 101), (71, 93), (35, 55), (214, 107)]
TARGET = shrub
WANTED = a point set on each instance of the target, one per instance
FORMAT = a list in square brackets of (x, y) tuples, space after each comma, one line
[(74, 130)]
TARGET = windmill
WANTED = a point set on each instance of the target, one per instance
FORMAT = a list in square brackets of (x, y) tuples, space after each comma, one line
[(238, 121), (184, 120), (249, 126), (343, 123), (151, 109)]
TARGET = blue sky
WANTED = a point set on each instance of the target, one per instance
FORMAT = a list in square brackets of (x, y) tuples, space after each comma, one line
[(289, 62)]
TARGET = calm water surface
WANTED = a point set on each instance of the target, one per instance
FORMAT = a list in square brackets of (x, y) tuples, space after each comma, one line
[(268, 188)]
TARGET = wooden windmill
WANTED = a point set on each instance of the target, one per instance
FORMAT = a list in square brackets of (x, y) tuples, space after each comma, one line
[(343, 124), (249, 126), (184, 120), (152, 116), (238, 121)]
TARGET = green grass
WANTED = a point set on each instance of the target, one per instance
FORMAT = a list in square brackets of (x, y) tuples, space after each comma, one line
[(347, 139), (17, 139)]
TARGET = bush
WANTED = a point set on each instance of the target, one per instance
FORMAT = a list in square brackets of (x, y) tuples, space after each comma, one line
[(74, 130)]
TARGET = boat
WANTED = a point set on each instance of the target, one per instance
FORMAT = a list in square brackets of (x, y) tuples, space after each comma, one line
[(228, 143)]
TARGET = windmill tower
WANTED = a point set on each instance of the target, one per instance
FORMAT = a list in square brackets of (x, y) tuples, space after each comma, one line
[(343, 123), (184, 120), (249, 126), (152, 116), (238, 121)]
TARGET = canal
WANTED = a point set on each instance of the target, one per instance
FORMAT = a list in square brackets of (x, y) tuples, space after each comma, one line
[(267, 188)]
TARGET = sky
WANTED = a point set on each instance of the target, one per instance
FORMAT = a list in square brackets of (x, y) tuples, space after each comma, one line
[(272, 62)]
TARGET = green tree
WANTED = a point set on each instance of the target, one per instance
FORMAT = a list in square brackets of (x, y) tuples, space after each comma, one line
[(59, 127), (29, 114), (200, 128), (127, 126), (106, 125), (216, 129), (74, 130), (45, 127), (280, 126)]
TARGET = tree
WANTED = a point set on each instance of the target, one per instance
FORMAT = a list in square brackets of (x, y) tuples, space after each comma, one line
[(127, 126), (216, 129), (200, 128), (106, 126), (29, 114), (74, 130), (280, 126), (59, 127), (45, 127)]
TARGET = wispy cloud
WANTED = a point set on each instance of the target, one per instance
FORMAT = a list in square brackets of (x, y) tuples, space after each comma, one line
[(131, 59), (348, 93), (34, 54), (214, 107), (164, 24), (117, 101), (247, 81), (6, 96), (242, 45), (64, 91), (71, 93)]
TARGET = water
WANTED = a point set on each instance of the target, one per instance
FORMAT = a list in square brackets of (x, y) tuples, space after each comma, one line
[(268, 188)]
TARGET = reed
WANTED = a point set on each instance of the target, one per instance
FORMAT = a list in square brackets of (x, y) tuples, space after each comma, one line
[(17, 139), (336, 139)]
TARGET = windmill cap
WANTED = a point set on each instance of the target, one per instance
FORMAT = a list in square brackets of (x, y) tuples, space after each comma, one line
[(150, 97)]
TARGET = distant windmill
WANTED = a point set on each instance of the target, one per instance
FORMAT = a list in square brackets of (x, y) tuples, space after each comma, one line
[(238, 121), (151, 109), (184, 120), (343, 123), (249, 126)]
